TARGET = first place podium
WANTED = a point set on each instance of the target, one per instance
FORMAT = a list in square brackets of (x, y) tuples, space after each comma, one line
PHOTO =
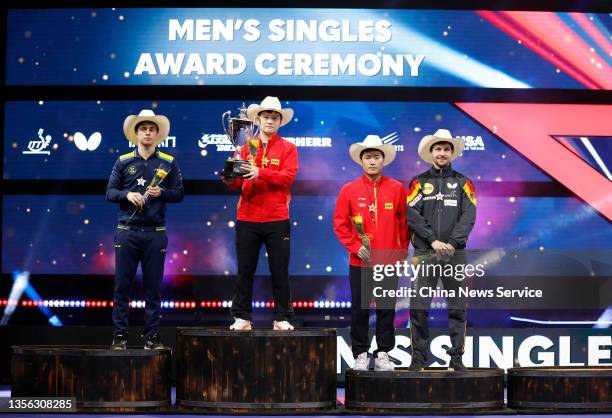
[(249, 371)]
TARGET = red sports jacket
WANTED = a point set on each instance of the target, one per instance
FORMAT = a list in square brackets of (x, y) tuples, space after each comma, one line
[(385, 227), (267, 198)]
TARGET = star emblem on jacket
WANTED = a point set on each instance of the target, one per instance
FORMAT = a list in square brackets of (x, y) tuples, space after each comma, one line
[(440, 196), (141, 181)]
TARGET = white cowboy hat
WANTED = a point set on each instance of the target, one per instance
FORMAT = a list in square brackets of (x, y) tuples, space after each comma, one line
[(441, 135), (272, 104), (373, 142), (146, 115)]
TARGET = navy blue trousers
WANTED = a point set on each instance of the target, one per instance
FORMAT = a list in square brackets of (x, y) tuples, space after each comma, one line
[(146, 246)]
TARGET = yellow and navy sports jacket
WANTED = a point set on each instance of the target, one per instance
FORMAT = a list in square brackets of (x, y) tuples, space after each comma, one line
[(132, 173), (441, 206)]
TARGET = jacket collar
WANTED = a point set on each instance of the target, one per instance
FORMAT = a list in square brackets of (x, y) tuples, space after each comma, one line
[(441, 172), (137, 155), (367, 180), (275, 138)]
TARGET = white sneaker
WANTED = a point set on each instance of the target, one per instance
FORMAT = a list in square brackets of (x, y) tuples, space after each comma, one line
[(282, 326), (362, 362), (382, 362), (241, 325)]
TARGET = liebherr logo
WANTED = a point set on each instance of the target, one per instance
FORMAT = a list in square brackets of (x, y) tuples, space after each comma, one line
[(310, 141)]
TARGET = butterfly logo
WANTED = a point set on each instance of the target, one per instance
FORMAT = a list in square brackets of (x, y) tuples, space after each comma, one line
[(87, 144)]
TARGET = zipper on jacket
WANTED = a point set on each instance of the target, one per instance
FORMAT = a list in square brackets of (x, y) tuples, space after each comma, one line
[(375, 207), (438, 204)]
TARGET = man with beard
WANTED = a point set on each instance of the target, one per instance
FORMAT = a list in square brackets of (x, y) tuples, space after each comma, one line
[(441, 212)]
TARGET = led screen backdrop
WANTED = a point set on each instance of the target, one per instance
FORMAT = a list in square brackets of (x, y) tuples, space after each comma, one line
[(520, 202), (52, 234), (511, 142), (321, 47), (541, 170), (85, 138)]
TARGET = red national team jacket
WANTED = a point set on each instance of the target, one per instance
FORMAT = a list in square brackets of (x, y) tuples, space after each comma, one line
[(267, 198), (385, 227)]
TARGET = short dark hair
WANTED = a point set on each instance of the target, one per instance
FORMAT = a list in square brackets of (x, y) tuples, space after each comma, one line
[(143, 122), (442, 142), (370, 149)]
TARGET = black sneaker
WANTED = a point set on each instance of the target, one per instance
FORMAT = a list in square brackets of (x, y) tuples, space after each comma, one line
[(119, 341), (416, 365), (456, 364), (153, 342)]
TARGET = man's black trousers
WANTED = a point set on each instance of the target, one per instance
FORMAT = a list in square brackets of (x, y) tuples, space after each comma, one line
[(362, 286), (419, 310), (250, 236)]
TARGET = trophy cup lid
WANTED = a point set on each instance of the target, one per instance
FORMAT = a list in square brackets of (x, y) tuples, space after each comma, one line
[(242, 112)]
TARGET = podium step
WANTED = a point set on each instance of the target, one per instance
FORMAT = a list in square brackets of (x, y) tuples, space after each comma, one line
[(433, 390), (101, 380), (568, 389), (251, 371)]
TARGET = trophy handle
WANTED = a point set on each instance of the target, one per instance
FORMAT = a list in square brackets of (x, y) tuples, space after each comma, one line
[(225, 117)]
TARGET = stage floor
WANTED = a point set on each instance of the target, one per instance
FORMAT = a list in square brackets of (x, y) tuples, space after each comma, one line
[(5, 392)]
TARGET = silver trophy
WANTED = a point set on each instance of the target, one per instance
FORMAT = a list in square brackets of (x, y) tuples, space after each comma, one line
[(240, 131)]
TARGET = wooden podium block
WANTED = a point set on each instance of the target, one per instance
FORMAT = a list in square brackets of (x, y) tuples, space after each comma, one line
[(249, 371), (99, 378), (430, 390), (560, 388)]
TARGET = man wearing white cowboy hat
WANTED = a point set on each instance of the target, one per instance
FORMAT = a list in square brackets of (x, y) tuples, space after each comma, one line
[(263, 213), (441, 212), (141, 233), (370, 221)]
